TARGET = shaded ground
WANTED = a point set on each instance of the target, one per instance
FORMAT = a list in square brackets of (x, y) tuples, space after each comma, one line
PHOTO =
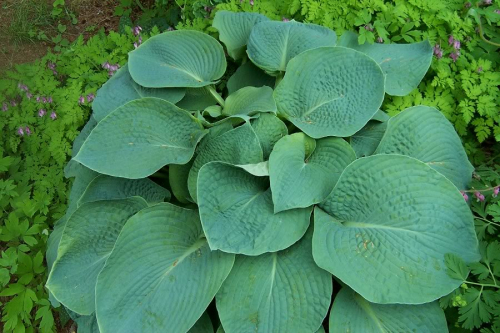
[(21, 21)]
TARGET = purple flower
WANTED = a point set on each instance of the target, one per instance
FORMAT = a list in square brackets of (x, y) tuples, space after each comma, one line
[(44, 99), (135, 45), (53, 115), (438, 52), (487, 2), (90, 97), (81, 100), (140, 40), (456, 44), (285, 19), (106, 65), (251, 2), (380, 40), (479, 69), (20, 131), (479, 196), (49, 100), (368, 27), (170, 29), (114, 68), (137, 30), (495, 191), (5, 107), (38, 99), (13, 103), (455, 55), (27, 130), (42, 113), (22, 87), (29, 95), (497, 11), (51, 65), (451, 40), (466, 197)]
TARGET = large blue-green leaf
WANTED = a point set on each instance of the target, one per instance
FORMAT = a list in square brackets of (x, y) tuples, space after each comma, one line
[(139, 138), (269, 129), (182, 58), (234, 30), (121, 89), (276, 292), (250, 100), (237, 212), (366, 140), (87, 324), (273, 43), (403, 64), (51, 253), (197, 99), (249, 75), (330, 91), (386, 227), (111, 188), (352, 313), (87, 241), (304, 171), (237, 146), (424, 133), (161, 275)]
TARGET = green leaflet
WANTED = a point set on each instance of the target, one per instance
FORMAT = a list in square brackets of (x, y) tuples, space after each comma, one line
[(404, 64), (249, 100), (139, 138), (249, 75), (237, 146), (395, 216), (80, 257), (424, 133), (237, 213), (366, 140), (272, 44), (234, 30), (299, 178), (179, 58), (111, 188), (269, 129), (352, 313), (160, 251), (121, 89), (276, 292), (354, 92)]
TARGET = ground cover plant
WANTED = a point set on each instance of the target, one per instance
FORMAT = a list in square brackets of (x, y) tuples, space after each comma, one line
[(259, 193)]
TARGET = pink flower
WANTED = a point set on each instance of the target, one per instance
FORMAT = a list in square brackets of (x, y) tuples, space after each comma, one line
[(135, 45), (44, 99), (38, 99), (451, 40), (380, 40), (20, 131), (368, 27), (497, 11), (53, 115), (479, 196), (13, 103), (137, 30), (42, 113), (487, 2), (438, 52), (49, 100), (285, 19), (466, 197), (27, 130), (495, 191), (455, 55), (5, 107), (456, 44), (51, 65), (90, 97), (106, 65), (22, 87), (29, 95), (81, 100), (251, 2)]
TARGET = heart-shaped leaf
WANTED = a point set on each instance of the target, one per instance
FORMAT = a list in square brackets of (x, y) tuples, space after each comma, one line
[(389, 222), (299, 178), (237, 146), (424, 133), (330, 91), (249, 75), (273, 43), (111, 188), (139, 138), (285, 282), (234, 30), (80, 257), (352, 313), (403, 64), (237, 212), (121, 89), (161, 275), (181, 58), (250, 100), (269, 129)]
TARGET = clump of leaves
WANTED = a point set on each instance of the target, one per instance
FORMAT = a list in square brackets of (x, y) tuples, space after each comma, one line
[(298, 136)]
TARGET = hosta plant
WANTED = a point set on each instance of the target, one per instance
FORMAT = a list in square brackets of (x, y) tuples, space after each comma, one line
[(285, 192)]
